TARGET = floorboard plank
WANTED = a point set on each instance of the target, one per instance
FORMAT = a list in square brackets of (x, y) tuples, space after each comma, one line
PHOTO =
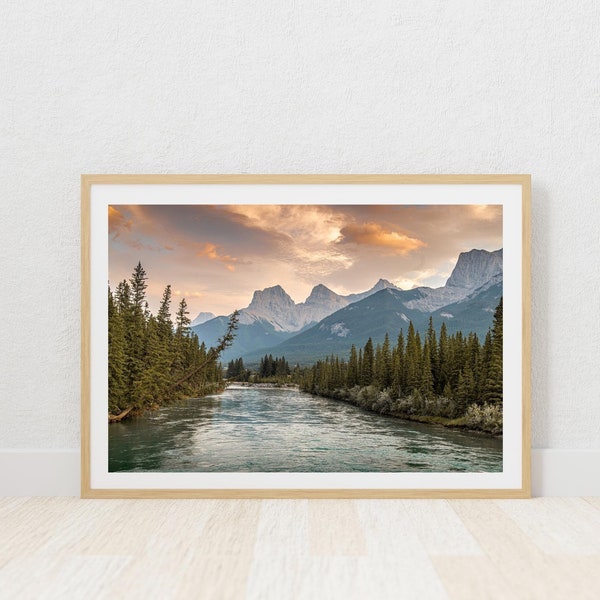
[(472, 578), (561, 526), (59, 548), (528, 572)]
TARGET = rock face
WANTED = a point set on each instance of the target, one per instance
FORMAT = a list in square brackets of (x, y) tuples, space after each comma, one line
[(273, 299), (274, 305), (320, 303), (474, 268)]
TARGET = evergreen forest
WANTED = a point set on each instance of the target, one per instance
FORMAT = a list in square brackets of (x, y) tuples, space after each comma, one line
[(155, 359), (448, 379)]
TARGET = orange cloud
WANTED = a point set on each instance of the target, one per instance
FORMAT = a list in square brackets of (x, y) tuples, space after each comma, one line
[(117, 222), (373, 234), (211, 251)]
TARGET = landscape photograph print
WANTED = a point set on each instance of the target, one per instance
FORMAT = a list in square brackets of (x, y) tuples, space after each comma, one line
[(305, 338)]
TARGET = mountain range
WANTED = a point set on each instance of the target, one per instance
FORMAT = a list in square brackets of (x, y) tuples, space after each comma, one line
[(327, 322)]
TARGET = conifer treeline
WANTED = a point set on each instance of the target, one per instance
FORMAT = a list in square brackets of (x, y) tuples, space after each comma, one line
[(273, 367), (271, 370), (236, 370), (151, 360), (440, 375)]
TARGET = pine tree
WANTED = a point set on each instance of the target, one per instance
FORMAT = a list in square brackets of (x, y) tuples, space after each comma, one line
[(151, 388), (465, 391), (231, 371), (360, 366), (135, 329), (138, 287), (368, 359), (270, 366), (377, 367), (163, 316), (433, 351), (182, 319), (123, 298), (458, 356), (117, 376), (426, 387), (444, 359), (493, 386), (399, 375), (385, 369), (413, 359), (353, 373)]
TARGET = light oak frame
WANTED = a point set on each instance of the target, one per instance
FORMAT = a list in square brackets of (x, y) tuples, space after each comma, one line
[(87, 181)]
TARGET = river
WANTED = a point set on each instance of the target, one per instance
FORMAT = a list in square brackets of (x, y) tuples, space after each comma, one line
[(256, 429)]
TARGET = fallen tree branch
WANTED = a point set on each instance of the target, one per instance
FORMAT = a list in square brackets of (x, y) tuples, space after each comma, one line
[(120, 416)]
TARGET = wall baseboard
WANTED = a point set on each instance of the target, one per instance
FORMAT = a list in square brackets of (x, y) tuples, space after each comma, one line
[(56, 472), (565, 472), (39, 472)]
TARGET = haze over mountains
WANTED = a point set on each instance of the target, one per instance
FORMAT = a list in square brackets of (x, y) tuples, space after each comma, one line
[(202, 317), (327, 322)]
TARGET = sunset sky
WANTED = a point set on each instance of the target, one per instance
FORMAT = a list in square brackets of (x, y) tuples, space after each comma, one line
[(216, 256)]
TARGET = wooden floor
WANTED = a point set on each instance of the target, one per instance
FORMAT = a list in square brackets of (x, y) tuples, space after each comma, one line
[(69, 548)]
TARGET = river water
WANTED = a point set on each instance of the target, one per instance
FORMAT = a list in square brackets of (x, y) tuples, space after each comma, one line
[(248, 429)]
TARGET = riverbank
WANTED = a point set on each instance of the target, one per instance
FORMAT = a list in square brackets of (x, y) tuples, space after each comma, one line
[(484, 419), (265, 385), (137, 411)]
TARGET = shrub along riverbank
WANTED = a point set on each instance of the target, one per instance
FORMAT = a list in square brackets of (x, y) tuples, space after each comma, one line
[(438, 410)]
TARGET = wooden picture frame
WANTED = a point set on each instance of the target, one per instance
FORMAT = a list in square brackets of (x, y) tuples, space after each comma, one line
[(507, 198)]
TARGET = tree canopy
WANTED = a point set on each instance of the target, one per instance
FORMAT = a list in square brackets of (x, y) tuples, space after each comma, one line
[(151, 360)]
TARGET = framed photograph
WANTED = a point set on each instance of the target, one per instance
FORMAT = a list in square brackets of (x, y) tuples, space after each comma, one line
[(305, 336)]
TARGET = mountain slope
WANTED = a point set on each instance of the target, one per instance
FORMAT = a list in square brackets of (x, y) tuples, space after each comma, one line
[(461, 306), (473, 313), (385, 312), (382, 312), (272, 317), (249, 337), (382, 284)]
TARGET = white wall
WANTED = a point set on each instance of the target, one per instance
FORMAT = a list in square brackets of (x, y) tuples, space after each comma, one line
[(294, 87)]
